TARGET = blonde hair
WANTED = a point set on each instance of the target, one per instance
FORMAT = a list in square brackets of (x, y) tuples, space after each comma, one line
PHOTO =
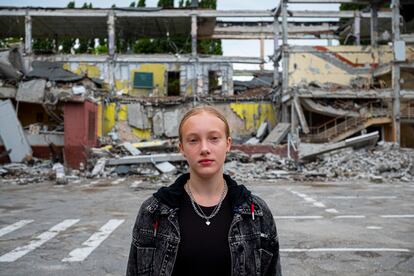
[(201, 109)]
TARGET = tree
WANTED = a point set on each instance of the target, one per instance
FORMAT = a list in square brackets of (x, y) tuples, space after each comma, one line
[(141, 3), (132, 5), (166, 4)]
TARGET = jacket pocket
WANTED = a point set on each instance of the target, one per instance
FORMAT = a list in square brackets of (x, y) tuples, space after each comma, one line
[(145, 257), (265, 260)]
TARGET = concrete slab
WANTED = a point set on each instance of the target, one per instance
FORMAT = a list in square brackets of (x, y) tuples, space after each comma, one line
[(137, 116), (166, 167), (7, 92), (309, 151), (131, 149), (32, 91), (12, 134), (153, 158), (278, 133)]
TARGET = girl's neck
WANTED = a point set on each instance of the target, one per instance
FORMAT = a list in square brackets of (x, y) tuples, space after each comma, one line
[(206, 188)]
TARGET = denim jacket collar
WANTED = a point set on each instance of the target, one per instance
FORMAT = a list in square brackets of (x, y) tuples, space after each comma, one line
[(168, 198)]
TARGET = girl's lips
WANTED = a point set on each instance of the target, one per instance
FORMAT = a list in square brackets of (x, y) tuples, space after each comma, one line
[(205, 162)]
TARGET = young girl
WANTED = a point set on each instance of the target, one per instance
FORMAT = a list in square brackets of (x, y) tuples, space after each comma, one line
[(204, 223)]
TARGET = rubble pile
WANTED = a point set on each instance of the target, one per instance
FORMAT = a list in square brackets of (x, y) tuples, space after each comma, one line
[(383, 162), (259, 166), (22, 174), (158, 163)]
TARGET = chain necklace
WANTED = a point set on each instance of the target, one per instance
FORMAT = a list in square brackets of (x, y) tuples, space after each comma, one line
[(199, 211)]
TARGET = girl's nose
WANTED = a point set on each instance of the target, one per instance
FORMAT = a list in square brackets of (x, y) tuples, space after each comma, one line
[(205, 149)]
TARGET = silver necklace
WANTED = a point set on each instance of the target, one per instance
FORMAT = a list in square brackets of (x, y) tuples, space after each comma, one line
[(199, 211)]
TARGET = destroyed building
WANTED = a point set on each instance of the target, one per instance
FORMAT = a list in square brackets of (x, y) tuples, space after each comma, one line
[(315, 94)]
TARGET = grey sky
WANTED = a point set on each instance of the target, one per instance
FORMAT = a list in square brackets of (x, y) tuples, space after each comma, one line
[(230, 47)]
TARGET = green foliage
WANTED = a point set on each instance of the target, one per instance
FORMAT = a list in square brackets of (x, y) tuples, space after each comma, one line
[(208, 4), (166, 4), (141, 3), (71, 5), (43, 44), (132, 5), (351, 7)]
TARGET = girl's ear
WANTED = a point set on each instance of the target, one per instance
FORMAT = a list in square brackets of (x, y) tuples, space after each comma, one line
[(181, 148), (229, 142)]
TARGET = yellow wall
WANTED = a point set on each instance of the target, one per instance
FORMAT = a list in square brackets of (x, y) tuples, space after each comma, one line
[(110, 114), (254, 114), (310, 67), (158, 71)]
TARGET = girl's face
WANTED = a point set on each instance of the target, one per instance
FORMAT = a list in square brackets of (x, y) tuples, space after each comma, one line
[(204, 144)]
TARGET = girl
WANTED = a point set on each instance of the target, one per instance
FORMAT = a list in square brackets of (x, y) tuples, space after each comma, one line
[(204, 223)]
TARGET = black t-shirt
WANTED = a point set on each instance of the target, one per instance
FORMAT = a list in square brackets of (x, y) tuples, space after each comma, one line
[(204, 249)]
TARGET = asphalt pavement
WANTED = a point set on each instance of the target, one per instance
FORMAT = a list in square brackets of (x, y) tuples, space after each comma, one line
[(325, 228)]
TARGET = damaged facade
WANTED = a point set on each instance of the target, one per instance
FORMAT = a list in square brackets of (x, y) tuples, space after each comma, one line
[(315, 94), (330, 93)]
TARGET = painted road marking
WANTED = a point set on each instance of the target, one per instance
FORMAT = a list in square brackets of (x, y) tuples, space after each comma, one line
[(14, 226), (373, 227), (314, 202), (81, 253), (344, 250), (342, 216), (298, 217), (360, 197), (397, 216), (38, 241), (349, 216)]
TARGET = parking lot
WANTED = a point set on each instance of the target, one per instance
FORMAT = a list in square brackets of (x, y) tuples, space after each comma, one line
[(325, 228)]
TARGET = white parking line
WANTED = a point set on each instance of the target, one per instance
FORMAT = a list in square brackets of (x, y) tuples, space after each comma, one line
[(349, 216), (360, 197), (38, 241), (298, 217), (14, 226), (373, 227), (397, 216), (314, 202), (80, 254), (344, 250)]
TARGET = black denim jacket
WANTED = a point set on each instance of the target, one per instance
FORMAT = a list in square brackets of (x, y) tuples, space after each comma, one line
[(253, 240)]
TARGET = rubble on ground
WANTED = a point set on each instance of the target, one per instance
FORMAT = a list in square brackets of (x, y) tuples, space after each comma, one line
[(158, 163), (383, 162)]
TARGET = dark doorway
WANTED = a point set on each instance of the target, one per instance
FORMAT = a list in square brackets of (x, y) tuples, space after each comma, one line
[(212, 81), (173, 83)]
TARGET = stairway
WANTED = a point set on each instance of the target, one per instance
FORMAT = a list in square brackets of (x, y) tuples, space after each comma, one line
[(343, 127)]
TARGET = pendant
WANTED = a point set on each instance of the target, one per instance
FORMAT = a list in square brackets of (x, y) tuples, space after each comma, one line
[(208, 222)]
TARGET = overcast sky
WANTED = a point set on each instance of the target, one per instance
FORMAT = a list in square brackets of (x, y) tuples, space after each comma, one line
[(249, 48)]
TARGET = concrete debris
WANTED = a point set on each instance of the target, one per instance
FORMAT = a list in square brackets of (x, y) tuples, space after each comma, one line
[(99, 168), (262, 131), (132, 150), (60, 173), (158, 166), (12, 133), (32, 91), (309, 151), (277, 134), (166, 167), (151, 158), (377, 164), (252, 141)]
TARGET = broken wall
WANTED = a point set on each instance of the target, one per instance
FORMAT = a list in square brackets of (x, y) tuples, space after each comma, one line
[(336, 64), (122, 74), (135, 121)]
